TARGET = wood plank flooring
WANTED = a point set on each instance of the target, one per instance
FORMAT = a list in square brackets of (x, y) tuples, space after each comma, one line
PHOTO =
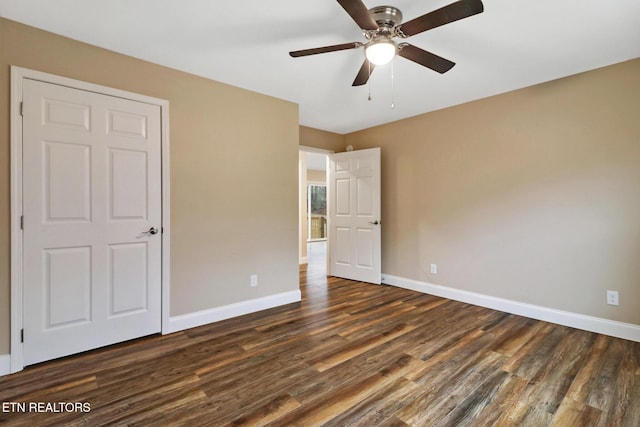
[(350, 354)]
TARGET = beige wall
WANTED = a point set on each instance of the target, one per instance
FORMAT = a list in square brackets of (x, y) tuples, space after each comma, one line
[(533, 195), (316, 176), (316, 138), (233, 170)]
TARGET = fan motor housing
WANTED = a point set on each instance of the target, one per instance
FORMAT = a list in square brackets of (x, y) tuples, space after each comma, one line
[(386, 16)]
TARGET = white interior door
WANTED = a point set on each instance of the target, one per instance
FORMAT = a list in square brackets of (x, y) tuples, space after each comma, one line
[(354, 215), (92, 206)]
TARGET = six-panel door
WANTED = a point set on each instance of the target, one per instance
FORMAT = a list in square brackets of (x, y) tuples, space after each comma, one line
[(92, 192), (354, 215)]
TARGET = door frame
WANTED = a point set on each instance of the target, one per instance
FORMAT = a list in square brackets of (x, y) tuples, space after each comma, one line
[(18, 75)]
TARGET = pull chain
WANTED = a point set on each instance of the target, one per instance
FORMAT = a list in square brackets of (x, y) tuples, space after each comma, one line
[(393, 87), (369, 80)]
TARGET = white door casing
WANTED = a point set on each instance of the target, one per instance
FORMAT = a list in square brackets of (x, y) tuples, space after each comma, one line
[(354, 215), (93, 203)]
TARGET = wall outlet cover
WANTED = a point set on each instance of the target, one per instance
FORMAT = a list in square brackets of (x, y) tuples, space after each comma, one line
[(613, 298)]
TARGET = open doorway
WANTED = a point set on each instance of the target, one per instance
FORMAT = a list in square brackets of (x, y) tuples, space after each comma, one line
[(313, 207), (317, 225)]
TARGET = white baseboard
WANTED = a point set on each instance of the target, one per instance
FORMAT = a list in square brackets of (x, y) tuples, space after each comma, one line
[(199, 318), (5, 364), (575, 320)]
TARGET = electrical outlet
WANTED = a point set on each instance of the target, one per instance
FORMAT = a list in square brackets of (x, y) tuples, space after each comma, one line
[(434, 268), (612, 298), (254, 280)]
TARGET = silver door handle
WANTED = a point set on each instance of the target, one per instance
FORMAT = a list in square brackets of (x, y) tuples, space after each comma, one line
[(152, 230), (376, 222)]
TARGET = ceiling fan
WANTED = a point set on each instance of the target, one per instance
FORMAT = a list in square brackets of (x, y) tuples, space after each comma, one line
[(381, 24)]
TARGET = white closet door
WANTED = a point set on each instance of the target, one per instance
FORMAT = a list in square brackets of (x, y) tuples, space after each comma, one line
[(92, 208)]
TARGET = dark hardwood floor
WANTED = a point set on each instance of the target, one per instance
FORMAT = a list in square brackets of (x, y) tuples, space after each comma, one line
[(350, 354)]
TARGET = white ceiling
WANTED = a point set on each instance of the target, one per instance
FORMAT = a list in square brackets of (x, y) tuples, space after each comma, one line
[(513, 44)]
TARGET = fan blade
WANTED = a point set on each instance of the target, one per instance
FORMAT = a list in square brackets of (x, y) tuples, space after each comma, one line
[(359, 13), (453, 12), (364, 73), (325, 49), (427, 59)]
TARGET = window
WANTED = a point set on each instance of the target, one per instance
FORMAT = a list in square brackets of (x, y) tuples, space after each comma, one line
[(317, 211)]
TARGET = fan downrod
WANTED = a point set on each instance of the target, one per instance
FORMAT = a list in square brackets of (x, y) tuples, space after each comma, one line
[(386, 16)]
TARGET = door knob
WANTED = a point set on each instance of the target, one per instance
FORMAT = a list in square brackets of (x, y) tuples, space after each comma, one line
[(152, 230), (376, 222)]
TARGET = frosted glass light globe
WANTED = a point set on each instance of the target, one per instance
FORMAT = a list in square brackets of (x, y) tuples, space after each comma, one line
[(380, 53)]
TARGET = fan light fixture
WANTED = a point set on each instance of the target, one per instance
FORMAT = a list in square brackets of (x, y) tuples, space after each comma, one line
[(380, 52)]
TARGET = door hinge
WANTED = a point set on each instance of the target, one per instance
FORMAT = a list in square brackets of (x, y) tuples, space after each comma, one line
[(21, 335), (21, 108), (22, 222)]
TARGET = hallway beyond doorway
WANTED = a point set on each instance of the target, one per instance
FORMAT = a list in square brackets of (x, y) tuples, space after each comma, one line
[(317, 255)]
